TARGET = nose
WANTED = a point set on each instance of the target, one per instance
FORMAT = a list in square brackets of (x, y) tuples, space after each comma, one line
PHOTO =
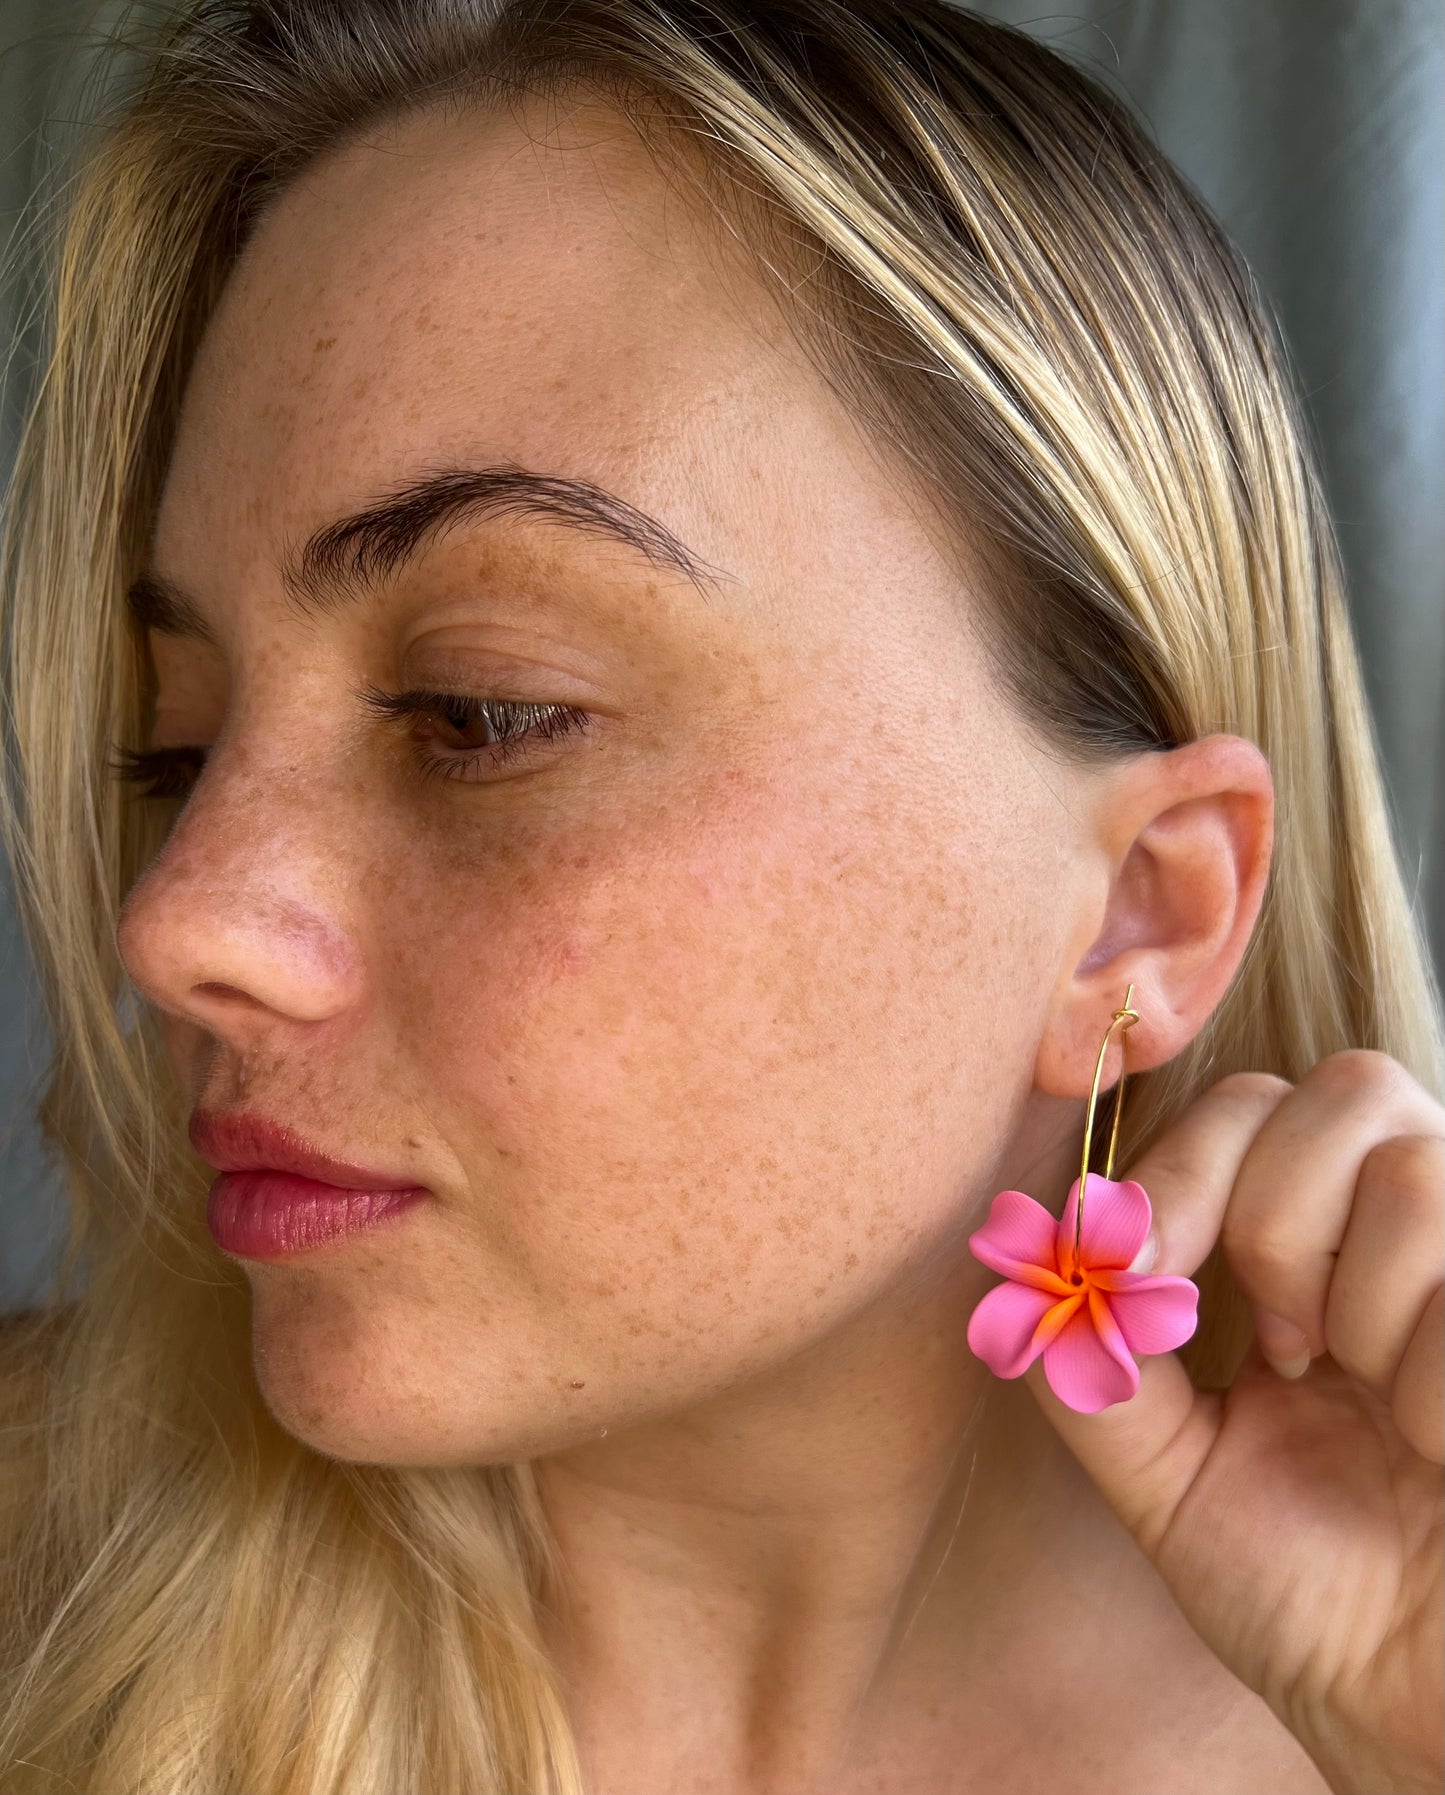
[(242, 916)]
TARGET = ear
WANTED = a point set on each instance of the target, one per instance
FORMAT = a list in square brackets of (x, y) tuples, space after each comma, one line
[(1183, 838)]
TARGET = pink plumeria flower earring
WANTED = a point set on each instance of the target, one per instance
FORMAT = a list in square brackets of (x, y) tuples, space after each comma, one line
[(1068, 1292)]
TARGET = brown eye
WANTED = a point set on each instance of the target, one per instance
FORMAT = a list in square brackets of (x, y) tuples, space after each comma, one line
[(475, 734), (493, 731), (469, 719)]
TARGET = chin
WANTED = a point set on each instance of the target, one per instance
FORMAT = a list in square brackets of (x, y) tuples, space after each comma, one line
[(353, 1430), (336, 1410)]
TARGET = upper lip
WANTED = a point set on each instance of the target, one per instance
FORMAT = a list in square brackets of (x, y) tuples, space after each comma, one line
[(240, 1141)]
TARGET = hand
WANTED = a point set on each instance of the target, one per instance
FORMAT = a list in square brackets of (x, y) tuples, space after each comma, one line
[(1298, 1520)]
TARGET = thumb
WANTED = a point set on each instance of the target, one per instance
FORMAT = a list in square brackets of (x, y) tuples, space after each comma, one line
[(1144, 1453)]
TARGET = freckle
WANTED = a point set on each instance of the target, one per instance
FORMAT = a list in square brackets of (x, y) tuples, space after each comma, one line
[(850, 1262), (570, 955), (323, 343)]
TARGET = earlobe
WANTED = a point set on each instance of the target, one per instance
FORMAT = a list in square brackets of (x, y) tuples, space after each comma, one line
[(1187, 834)]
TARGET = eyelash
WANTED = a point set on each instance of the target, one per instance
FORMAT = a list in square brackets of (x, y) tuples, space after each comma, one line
[(511, 721)]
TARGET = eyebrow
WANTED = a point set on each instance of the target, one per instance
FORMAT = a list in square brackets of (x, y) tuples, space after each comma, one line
[(342, 561)]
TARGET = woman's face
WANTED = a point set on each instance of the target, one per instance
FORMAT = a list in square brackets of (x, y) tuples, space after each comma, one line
[(706, 1023)]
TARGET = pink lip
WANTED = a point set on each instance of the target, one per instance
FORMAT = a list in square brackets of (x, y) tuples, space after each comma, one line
[(243, 1142), (278, 1195), (267, 1215)]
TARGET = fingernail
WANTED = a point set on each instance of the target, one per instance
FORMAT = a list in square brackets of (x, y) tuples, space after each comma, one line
[(1282, 1344), (1144, 1259)]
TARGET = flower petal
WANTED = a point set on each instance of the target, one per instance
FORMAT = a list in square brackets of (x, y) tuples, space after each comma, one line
[(1001, 1328), (1153, 1314), (1116, 1224), (1058, 1318), (1081, 1369), (1018, 1232)]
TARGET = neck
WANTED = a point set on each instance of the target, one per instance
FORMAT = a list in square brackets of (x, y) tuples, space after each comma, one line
[(818, 1546)]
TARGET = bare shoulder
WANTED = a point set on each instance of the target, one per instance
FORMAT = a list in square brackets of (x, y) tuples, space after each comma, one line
[(1234, 1749), (1172, 1717), (1130, 1702), (1218, 1750), (1196, 1729)]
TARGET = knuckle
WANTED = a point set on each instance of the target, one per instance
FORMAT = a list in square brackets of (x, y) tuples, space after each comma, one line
[(1256, 1247), (1356, 1074), (1254, 1088), (1410, 1167)]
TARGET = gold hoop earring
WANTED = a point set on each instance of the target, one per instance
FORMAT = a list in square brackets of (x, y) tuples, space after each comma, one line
[(1124, 1019), (1069, 1295)]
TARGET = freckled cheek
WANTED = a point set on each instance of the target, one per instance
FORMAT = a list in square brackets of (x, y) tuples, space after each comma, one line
[(693, 1055), (568, 975)]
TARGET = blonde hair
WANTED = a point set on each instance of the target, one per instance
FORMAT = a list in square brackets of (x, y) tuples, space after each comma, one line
[(1028, 306)]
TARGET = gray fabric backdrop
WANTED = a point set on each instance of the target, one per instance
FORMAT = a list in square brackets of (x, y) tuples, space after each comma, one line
[(1316, 130)]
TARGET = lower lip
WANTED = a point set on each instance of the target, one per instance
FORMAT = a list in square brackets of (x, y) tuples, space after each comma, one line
[(270, 1215)]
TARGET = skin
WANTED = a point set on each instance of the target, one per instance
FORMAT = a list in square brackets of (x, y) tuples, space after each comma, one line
[(712, 1031)]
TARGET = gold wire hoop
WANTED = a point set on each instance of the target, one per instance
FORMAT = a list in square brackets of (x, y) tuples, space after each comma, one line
[(1124, 1019)]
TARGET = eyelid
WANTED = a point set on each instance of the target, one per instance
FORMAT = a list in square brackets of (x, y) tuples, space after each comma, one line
[(521, 725), (537, 722), (464, 645), (524, 680), (423, 700)]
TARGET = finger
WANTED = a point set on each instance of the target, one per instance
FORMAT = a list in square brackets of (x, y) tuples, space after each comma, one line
[(1144, 1453), (1189, 1171), (1391, 1260), (1291, 1202), (1419, 1405)]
